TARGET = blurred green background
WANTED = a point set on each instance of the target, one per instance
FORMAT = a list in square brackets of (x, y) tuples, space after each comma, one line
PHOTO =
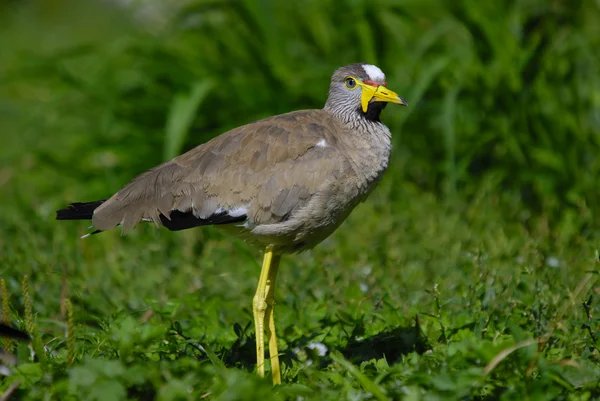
[(503, 95), (496, 155)]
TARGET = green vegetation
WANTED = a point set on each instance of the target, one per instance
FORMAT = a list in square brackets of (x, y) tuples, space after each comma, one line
[(471, 272)]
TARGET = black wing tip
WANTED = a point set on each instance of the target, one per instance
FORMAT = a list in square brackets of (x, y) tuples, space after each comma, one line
[(78, 211)]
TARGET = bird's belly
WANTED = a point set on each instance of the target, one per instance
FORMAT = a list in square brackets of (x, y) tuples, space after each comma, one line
[(311, 224)]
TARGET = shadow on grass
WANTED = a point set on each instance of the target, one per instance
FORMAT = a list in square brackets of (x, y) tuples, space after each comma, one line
[(242, 353), (389, 344)]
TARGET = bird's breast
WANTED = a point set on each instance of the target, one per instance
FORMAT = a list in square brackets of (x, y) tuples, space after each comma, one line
[(368, 153)]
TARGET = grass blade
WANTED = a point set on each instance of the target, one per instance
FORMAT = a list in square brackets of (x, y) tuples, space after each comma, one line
[(181, 116), (364, 381)]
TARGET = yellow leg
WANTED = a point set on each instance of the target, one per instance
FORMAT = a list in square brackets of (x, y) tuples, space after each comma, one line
[(263, 305), (273, 352)]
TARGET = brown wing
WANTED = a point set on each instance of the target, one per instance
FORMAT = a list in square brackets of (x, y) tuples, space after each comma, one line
[(262, 171)]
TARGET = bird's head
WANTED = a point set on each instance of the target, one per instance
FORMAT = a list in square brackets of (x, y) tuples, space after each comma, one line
[(360, 89)]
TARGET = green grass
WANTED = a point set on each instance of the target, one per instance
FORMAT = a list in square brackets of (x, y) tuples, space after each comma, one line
[(421, 300), (470, 273)]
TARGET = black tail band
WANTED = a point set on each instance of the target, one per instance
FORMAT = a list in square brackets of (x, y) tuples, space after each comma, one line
[(78, 211)]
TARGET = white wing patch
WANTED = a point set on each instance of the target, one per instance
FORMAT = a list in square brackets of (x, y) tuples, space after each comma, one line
[(321, 144), (374, 72), (235, 212), (238, 211)]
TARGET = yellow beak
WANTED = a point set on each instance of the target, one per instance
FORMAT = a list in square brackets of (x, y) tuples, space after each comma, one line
[(379, 94)]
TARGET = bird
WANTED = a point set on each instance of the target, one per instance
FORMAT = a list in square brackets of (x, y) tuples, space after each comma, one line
[(283, 183)]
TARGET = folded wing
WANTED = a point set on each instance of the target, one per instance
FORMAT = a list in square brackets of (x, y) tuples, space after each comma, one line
[(259, 173)]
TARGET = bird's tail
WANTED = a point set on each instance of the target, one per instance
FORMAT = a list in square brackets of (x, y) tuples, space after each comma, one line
[(78, 211)]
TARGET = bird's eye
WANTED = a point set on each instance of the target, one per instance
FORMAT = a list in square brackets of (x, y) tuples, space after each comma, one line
[(350, 83)]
